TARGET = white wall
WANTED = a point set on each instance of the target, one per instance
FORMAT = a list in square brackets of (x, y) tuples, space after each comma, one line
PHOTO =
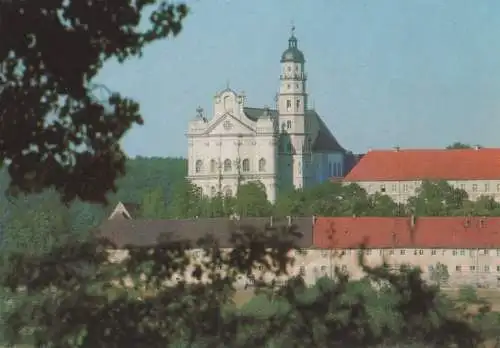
[(400, 191)]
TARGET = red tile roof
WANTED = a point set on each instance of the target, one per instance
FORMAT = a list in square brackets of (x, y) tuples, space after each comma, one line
[(438, 164), (388, 232)]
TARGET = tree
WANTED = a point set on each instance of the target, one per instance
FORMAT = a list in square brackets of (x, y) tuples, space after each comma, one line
[(36, 223), (54, 130), (153, 205), (436, 199), (186, 201), (458, 145), (383, 205), (439, 274), (251, 200), (292, 203)]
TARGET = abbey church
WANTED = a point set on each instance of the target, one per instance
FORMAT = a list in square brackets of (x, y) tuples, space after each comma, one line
[(285, 147)]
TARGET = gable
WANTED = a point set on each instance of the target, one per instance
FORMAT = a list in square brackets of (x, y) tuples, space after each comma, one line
[(228, 124)]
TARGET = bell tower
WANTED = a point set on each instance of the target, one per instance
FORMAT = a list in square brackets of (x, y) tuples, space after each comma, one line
[(292, 106)]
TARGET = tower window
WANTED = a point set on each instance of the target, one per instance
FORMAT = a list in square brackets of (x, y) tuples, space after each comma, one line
[(246, 165), (288, 124), (289, 68), (198, 166), (297, 104), (288, 105), (262, 165)]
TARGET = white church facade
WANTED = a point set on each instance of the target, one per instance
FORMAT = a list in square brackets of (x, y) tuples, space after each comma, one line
[(285, 147)]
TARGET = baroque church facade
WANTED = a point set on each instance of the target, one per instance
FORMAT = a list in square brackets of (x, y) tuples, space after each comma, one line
[(285, 147)]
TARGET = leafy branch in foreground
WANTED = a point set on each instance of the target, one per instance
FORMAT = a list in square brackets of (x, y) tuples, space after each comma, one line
[(162, 295), (54, 131)]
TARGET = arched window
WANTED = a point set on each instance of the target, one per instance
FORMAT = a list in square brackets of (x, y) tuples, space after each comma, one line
[(297, 105), (213, 165), (227, 191), (198, 166), (227, 165), (246, 165), (262, 165), (213, 191)]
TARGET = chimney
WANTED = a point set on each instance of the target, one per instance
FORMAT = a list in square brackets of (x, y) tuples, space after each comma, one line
[(477, 147), (314, 220), (396, 148), (289, 218)]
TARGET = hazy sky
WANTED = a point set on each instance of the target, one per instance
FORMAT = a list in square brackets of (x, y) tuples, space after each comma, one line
[(384, 73)]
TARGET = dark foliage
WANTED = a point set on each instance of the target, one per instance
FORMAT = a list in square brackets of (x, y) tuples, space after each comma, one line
[(54, 130)]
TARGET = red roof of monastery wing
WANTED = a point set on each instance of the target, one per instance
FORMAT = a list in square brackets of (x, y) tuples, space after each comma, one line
[(400, 232), (406, 165)]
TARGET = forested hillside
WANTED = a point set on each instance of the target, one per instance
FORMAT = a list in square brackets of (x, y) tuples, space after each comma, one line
[(147, 173), (143, 175)]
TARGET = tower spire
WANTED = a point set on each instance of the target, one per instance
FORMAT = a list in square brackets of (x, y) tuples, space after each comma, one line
[(292, 32)]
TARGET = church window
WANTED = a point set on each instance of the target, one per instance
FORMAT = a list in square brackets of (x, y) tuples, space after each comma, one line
[(227, 165), (213, 191), (246, 165), (288, 124), (213, 165), (262, 165), (297, 105), (227, 191), (288, 86), (288, 105), (289, 68), (198, 166)]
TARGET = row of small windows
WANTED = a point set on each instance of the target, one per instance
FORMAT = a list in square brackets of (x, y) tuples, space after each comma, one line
[(432, 252), (430, 268), (406, 188), (471, 268), (228, 165), (394, 188)]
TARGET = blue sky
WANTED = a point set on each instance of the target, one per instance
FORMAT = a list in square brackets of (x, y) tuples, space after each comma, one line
[(412, 73)]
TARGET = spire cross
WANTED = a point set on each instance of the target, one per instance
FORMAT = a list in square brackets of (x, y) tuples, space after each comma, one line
[(293, 29)]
